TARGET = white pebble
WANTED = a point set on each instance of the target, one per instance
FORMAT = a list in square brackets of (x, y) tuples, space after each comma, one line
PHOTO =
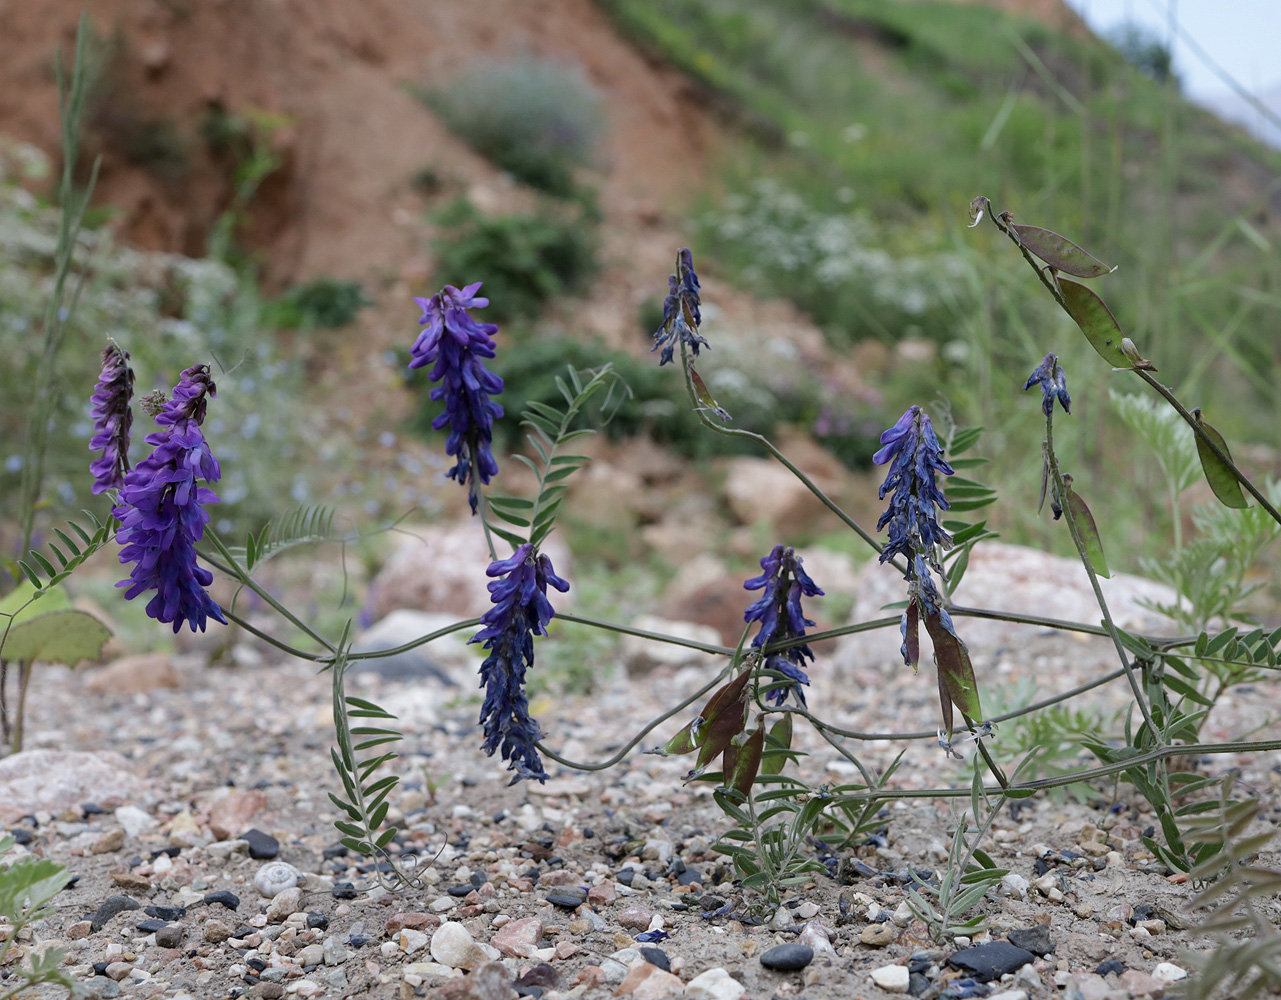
[(807, 910), (1009, 995), (903, 915), (452, 945), (134, 820), (715, 984), (1168, 972), (891, 978), (1015, 885), (412, 941)]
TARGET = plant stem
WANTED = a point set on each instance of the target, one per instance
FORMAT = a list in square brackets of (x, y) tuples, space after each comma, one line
[(19, 727)]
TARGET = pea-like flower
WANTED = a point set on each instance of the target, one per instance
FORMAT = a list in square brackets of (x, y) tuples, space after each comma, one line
[(520, 612), (681, 318), (162, 510), (779, 611), (457, 344), (1052, 379), (912, 515), (112, 419)]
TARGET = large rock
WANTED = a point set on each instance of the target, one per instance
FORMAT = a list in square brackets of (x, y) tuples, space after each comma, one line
[(1008, 578), (54, 780), (441, 569), (431, 660), (138, 674)]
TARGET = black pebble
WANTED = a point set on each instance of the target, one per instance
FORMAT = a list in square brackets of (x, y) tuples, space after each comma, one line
[(917, 984), (1034, 939), (318, 921), (100, 968), (689, 876), (335, 851), (166, 912), (344, 890), (109, 908), (588, 833), (357, 940), (240, 933), (262, 846), (228, 899), (257, 964), (991, 960), (710, 903), (21, 836), (626, 875), (150, 926), (787, 957), (172, 852), (1111, 965), (566, 900), (92, 809), (1040, 866), (1142, 912), (477, 879), (658, 957), (460, 890)]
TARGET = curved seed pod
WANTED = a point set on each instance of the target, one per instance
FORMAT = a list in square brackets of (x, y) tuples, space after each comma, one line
[(1060, 252), (1089, 531), (1096, 321), (741, 761), (1222, 479), (957, 685)]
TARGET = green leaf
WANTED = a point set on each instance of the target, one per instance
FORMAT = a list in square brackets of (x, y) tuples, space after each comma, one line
[(351, 829), (346, 807), (1096, 321), (1060, 252), (357, 845), (1088, 531), (780, 735), (368, 706), (1223, 481), (511, 503), (57, 637), (385, 838), (963, 440), (510, 537)]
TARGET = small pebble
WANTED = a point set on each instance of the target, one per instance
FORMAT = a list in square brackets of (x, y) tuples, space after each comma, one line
[(1168, 972), (228, 899), (787, 957), (566, 900), (891, 978), (878, 935)]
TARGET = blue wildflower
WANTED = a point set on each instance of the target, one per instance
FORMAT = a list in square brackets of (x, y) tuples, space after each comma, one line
[(779, 611), (162, 510), (912, 517), (457, 343), (681, 318), (521, 611), (112, 419), (1053, 382)]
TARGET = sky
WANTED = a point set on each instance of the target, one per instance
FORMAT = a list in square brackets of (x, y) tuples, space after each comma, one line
[(1242, 36)]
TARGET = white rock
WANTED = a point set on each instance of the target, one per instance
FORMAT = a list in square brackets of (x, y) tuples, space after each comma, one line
[(421, 970), (1009, 995), (412, 941), (714, 984), (224, 849), (903, 915), (1015, 885), (1168, 972), (815, 936), (134, 820), (35, 781), (891, 978), (452, 945), (807, 910), (275, 877)]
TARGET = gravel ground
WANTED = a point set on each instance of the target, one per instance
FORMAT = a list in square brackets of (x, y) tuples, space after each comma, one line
[(545, 887)]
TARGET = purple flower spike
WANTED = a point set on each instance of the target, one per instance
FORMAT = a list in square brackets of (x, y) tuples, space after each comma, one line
[(112, 419), (779, 611), (520, 612), (912, 516), (1052, 379), (681, 317), (162, 510), (457, 343)]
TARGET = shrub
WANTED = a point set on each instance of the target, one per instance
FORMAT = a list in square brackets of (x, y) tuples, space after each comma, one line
[(536, 119), (326, 303), (526, 259)]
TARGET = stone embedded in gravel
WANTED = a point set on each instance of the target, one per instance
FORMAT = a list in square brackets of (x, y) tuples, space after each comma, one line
[(648, 982), (878, 935), (110, 907), (128, 880), (566, 899), (1034, 939), (541, 975), (216, 931), (1140, 984), (170, 935), (787, 957), (150, 925), (1087, 986), (602, 895), (109, 842), (414, 921), (275, 877), (1111, 965), (657, 957), (519, 938), (309, 955), (232, 813), (891, 978), (815, 936), (490, 981), (990, 961), (335, 953), (411, 941), (166, 912), (344, 890), (262, 846), (134, 820), (1168, 972), (689, 876), (317, 921), (636, 918), (714, 984), (284, 903), (1008, 995), (452, 945), (118, 970), (228, 899)]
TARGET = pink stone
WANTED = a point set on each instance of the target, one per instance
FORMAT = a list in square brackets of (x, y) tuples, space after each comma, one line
[(602, 894), (636, 917), (519, 938), (558, 876), (412, 921), (1140, 984), (230, 815), (649, 982)]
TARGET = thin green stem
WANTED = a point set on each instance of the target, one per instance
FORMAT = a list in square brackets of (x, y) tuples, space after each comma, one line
[(705, 647), (1057, 484), (273, 641)]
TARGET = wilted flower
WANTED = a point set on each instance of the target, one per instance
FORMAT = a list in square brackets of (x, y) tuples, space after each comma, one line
[(162, 510), (779, 611), (521, 611), (681, 317), (457, 343), (911, 516), (112, 419), (1053, 382)]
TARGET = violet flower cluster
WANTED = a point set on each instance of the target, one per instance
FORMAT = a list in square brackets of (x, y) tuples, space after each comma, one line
[(521, 611), (681, 318), (112, 419), (916, 458), (779, 611), (162, 510), (457, 344), (1052, 379)]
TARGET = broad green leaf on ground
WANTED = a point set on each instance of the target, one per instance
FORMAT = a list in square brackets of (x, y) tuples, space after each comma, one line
[(66, 636)]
